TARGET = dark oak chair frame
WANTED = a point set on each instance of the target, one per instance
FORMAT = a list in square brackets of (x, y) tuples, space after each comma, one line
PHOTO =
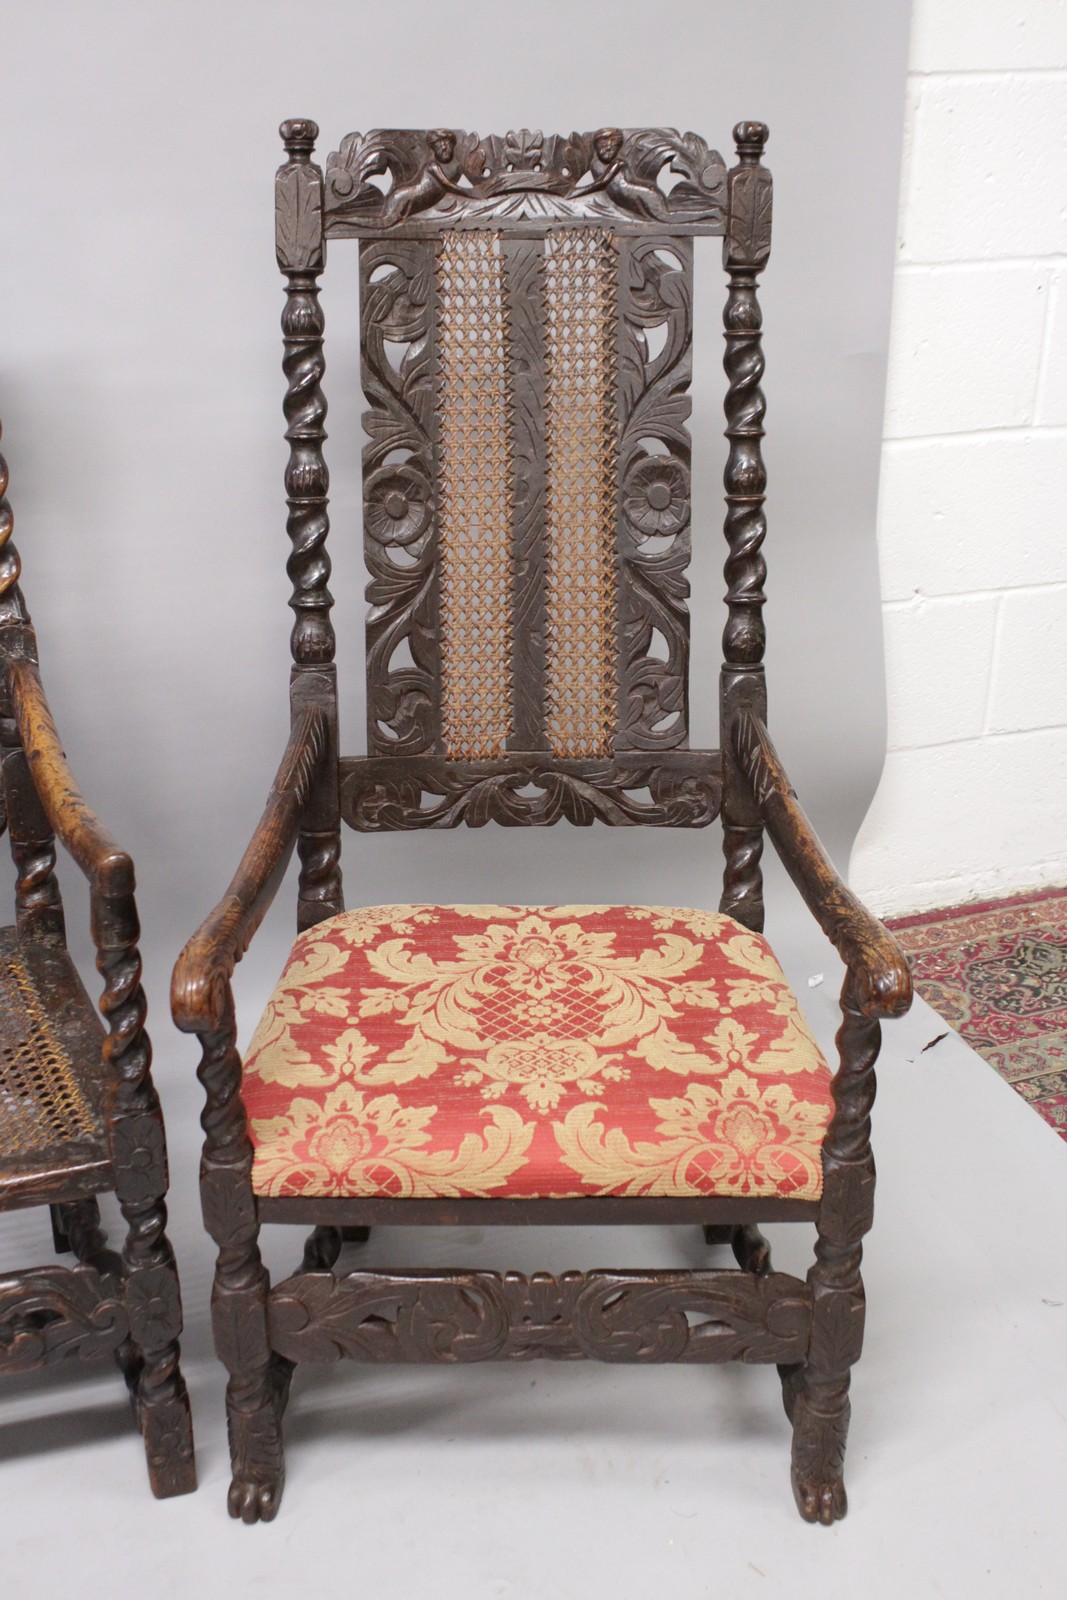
[(812, 1330), (128, 1305)]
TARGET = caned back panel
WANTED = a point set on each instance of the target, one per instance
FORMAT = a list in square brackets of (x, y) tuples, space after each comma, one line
[(526, 333)]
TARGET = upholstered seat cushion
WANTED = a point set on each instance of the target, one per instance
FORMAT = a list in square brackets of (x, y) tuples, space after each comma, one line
[(421, 1050)]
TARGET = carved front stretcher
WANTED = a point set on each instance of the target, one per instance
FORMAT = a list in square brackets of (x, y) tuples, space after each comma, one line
[(491, 1316)]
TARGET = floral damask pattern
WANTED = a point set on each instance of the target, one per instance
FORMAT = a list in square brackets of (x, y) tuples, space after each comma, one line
[(734, 1138), (534, 1050), (355, 1144)]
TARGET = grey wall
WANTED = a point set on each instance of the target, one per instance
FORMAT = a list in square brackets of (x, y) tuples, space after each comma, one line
[(140, 390)]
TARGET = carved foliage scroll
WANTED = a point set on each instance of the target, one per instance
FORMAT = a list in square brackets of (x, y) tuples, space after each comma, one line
[(49, 1313), (655, 456), (678, 789), (298, 217), (298, 201), (396, 290), (482, 1316), (751, 190), (413, 179)]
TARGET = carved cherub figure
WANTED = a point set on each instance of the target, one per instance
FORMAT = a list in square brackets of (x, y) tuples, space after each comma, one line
[(612, 174), (439, 175)]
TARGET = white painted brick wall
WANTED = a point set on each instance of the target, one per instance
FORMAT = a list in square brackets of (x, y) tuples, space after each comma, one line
[(966, 347), (972, 525), (1052, 387)]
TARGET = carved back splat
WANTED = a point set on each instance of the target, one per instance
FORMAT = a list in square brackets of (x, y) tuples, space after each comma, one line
[(526, 339)]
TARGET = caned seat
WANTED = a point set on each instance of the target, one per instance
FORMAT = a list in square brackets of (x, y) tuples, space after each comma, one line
[(52, 1131), (538, 1051)]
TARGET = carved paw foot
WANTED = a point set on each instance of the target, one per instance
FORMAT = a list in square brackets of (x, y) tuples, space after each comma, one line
[(256, 1454), (820, 1502), (253, 1501), (820, 1429)]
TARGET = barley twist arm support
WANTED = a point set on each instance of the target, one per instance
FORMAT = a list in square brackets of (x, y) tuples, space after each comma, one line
[(881, 980), (200, 989)]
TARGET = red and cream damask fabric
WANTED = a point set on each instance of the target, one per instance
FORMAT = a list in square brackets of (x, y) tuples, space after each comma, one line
[(411, 1051)]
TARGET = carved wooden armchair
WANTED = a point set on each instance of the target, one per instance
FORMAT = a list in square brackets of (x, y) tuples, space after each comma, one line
[(78, 1113), (526, 344)]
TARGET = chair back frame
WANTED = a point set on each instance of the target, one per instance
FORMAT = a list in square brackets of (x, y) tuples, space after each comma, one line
[(525, 664)]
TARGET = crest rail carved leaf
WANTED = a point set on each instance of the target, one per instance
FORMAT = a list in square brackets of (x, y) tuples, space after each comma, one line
[(408, 180)]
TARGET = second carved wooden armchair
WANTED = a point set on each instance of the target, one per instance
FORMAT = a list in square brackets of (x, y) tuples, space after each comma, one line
[(526, 342), (79, 1115)]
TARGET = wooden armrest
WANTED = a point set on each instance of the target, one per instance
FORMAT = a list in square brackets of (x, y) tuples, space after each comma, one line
[(877, 963), (202, 974), (109, 869)]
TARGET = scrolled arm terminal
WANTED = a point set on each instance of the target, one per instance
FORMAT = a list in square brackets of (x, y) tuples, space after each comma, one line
[(107, 867), (879, 967), (200, 988)]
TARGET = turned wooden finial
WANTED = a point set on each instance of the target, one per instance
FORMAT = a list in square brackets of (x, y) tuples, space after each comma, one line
[(750, 137), (298, 136)]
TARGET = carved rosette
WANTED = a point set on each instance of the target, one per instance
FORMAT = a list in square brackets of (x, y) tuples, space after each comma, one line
[(655, 457), (396, 299)]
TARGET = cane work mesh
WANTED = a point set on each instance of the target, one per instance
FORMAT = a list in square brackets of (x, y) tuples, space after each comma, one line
[(41, 1101), (580, 270), (474, 496)]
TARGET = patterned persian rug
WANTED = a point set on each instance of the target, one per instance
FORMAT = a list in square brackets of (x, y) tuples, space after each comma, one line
[(997, 971)]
